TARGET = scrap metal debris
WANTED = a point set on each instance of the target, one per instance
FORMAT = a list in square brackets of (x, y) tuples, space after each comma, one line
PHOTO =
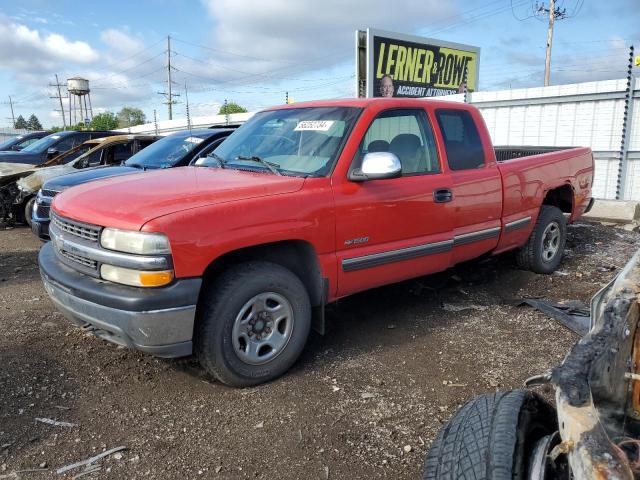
[(573, 314), (89, 461), (56, 423)]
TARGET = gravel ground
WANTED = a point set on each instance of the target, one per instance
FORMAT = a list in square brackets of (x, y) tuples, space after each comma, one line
[(363, 402)]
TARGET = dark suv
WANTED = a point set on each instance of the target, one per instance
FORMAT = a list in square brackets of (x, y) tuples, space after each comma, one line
[(175, 150), (51, 146), (19, 142)]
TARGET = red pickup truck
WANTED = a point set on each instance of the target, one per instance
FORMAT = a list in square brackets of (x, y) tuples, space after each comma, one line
[(235, 259)]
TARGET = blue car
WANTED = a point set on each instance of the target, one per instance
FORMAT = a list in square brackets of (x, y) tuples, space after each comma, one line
[(175, 150)]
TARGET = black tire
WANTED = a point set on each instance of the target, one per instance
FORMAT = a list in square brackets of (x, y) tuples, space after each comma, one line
[(28, 207), (490, 438), (222, 303), (531, 255)]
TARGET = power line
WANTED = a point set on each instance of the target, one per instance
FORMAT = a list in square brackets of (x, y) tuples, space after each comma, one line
[(59, 97)]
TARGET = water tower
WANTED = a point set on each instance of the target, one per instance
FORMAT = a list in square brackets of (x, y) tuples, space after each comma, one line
[(79, 92)]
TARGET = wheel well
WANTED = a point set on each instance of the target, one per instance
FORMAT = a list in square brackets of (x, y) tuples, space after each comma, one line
[(561, 197), (296, 255)]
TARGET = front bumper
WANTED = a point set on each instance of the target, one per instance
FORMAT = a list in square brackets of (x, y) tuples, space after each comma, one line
[(40, 227), (154, 320)]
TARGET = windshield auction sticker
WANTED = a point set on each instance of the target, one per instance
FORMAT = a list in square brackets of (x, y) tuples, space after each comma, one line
[(195, 140), (316, 125)]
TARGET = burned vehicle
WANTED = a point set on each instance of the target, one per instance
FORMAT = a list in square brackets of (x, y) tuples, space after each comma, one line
[(594, 430), (51, 146), (20, 183)]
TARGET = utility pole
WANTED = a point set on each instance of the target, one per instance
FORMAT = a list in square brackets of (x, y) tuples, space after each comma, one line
[(186, 99), (59, 97), (169, 76), (547, 60), (170, 101), (13, 118), (554, 14), (155, 120)]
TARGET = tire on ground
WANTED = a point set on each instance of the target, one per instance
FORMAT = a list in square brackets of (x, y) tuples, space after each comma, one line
[(222, 302), (531, 255), (28, 207), (490, 438)]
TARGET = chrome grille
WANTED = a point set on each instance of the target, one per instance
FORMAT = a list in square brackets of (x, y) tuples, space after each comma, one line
[(87, 262), (49, 193), (82, 230)]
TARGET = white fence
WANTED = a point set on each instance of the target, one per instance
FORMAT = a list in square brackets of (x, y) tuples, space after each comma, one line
[(166, 127), (588, 114)]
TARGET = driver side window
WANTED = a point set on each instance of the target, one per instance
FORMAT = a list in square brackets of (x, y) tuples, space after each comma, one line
[(407, 134)]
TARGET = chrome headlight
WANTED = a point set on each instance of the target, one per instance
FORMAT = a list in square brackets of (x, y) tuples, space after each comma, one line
[(143, 243)]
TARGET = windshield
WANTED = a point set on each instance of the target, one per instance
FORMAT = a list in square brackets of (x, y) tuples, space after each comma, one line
[(9, 142), (297, 141), (167, 151), (42, 144)]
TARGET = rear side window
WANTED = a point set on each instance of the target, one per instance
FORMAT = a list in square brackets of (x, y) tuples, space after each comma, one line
[(461, 139), (120, 152)]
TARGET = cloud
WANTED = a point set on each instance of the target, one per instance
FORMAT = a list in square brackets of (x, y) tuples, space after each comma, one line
[(121, 42), (24, 49), (309, 35)]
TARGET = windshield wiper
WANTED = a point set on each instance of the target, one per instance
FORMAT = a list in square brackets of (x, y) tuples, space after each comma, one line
[(221, 161), (273, 167)]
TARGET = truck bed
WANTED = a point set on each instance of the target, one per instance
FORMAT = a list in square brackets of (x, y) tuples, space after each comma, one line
[(508, 152)]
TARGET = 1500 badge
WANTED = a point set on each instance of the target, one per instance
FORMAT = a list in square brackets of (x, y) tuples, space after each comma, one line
[(356, 241)]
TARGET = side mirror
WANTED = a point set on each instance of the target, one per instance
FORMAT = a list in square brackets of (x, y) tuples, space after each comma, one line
[(52, 152), (16, 148), (377, 166)]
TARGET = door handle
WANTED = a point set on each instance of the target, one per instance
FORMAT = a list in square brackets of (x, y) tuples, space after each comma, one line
[(442, 195)]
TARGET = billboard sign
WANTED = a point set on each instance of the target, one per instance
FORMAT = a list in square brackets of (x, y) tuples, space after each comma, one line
[(391, 64)]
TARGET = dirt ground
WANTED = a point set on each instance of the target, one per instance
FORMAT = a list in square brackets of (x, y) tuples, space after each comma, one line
[(363, 402)]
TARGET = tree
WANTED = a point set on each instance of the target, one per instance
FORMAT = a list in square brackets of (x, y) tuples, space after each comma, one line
[(231, 107), (130, 117), (33, 123), (104, 121), (21, 123)]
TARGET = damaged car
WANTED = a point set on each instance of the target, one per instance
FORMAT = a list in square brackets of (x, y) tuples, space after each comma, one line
[(176, 150), (593, 432), (51, 146), (20, 183)]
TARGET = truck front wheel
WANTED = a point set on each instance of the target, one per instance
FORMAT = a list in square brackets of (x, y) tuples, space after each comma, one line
[(253, 324), (543, 251)]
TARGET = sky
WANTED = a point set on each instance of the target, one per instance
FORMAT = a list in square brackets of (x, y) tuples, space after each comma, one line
[(254, 51)]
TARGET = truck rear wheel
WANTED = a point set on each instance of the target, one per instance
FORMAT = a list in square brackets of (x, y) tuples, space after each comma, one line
[(543, 251), (253, 324), (491, 438)]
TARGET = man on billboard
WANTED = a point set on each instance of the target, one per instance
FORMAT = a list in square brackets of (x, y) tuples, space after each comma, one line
[(386, 86)]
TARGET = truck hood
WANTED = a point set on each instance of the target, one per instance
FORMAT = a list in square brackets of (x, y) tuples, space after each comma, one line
[(130, 201), (60, 183)]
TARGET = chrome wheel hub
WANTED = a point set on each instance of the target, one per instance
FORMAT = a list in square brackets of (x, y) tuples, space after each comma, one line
[(262, 329), (550, 241)]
